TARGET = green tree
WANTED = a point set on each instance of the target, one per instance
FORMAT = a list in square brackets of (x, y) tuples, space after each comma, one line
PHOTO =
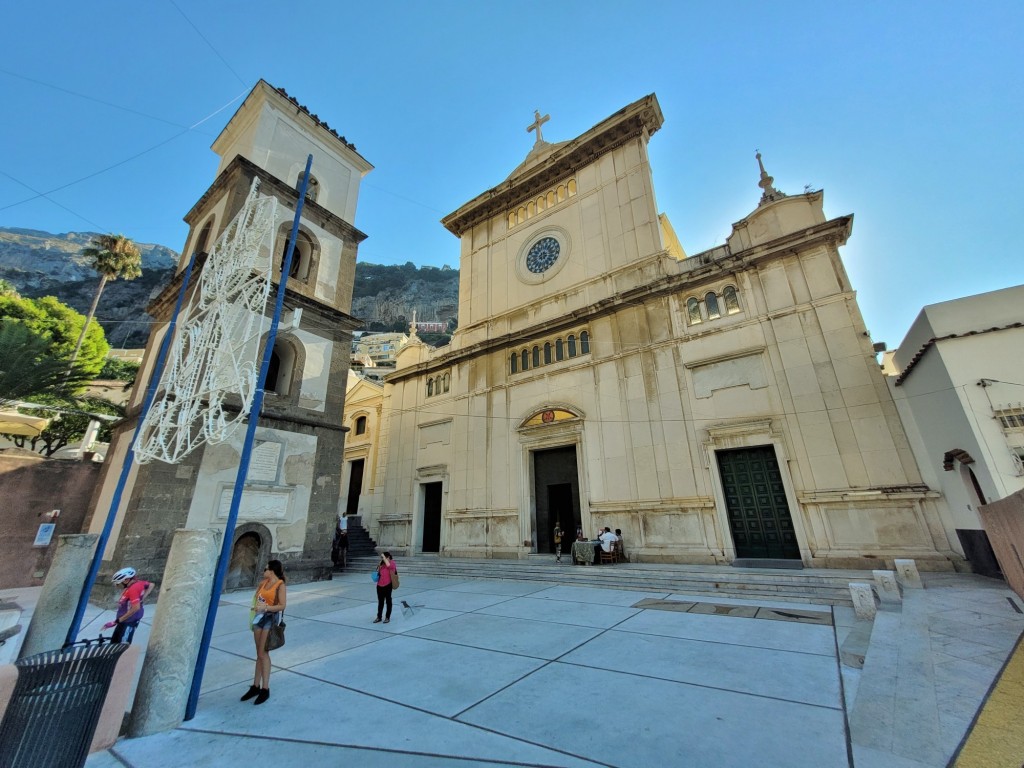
[(114, 257), (59, 325), (119, 370), (7, 288), (28, 367)]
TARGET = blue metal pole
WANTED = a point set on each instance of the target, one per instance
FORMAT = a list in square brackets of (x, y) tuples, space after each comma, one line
[(243, 465), (115, 502)]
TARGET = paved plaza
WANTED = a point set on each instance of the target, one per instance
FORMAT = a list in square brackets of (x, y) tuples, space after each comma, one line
[(488, 672)]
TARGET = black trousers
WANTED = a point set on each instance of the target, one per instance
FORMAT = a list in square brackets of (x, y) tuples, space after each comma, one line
[(123, 633), (384, 596)]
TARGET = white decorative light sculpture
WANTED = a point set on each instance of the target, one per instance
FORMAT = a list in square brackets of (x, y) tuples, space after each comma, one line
[(215, 353)]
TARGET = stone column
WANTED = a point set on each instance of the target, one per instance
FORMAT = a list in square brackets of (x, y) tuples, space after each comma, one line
[(177, 631), (58, 599)]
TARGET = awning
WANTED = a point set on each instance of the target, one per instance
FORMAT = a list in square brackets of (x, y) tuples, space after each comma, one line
[(14, 423)]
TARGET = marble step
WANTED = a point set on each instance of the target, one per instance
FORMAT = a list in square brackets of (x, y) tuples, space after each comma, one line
[(820, 586)]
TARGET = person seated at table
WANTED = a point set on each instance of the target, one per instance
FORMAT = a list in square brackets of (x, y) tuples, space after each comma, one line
[(608, 540)]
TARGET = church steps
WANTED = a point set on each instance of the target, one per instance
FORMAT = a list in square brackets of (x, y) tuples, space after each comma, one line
[(809, 586)]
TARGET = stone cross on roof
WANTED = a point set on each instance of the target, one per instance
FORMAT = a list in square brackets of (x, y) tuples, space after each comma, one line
[(538, 121)]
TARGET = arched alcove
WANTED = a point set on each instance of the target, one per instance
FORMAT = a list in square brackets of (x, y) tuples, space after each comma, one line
[(249, 555)]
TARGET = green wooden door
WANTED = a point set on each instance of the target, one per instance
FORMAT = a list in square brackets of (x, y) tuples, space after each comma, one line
[(756, 502)]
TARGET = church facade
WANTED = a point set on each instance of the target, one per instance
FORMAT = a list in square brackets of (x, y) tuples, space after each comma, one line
[(714, 407), (291, 498)]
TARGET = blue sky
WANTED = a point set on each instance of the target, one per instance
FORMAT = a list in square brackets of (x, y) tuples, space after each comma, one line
[(907, 114)]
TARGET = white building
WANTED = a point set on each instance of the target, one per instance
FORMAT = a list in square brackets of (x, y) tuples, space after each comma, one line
[(719, 407), (958, 381)]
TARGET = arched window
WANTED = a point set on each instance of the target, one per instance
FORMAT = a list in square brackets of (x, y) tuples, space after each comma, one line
[(571, 186), (584, 343), (559, 350), (302, 258), (430, 387), (551, 198), (361, 425), (572, 345), (526, 360), (447, 382), (312, 189), (513, 363), (531, 209), (521, 214), (511, 219), (711, 302), (693, 311), (547, 353), (536, 357), (281, 368), (561, 192), (732, 301), (542, 203), (204, 237)]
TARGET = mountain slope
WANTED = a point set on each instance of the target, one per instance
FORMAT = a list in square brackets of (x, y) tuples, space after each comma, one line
[(45, 264)]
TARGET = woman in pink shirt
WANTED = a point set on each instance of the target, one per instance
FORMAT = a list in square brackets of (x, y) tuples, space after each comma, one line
[(385, 570)]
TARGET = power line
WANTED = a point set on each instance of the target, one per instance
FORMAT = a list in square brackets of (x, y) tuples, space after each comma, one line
[(105, 103), (44, 195), (114, 165), (201, 35)]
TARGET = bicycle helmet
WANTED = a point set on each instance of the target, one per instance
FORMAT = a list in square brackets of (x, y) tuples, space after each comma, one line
[(125, 574)]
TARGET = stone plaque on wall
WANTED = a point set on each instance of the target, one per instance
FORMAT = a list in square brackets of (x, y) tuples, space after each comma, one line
[(264, 463), (256, 504)]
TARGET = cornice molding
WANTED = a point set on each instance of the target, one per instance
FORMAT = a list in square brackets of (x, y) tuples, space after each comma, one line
[(834, 231), (641, 118), (242, 167)]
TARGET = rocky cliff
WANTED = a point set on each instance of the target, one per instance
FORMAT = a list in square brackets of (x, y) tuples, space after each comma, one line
[(44, 264)]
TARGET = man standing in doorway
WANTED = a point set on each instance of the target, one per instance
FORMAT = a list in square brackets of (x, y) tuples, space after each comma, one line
[(558, 542)]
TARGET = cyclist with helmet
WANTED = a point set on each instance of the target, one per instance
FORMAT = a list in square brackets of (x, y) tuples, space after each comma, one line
[(129, 606)]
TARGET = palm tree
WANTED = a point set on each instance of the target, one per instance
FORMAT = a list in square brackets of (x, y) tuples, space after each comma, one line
[(113, 256)]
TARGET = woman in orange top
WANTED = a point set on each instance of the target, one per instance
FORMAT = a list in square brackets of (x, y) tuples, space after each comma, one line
[(268, 606)]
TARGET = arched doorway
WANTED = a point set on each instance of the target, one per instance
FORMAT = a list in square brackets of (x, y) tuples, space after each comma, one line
[(243, 568)]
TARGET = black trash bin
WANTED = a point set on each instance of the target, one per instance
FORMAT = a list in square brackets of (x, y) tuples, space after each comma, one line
[(56, 706)]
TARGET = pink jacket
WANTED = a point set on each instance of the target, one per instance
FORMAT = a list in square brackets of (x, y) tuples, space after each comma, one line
[(385, 573)]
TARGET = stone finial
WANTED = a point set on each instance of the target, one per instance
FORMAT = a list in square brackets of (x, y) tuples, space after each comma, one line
[(863, 600), (888, 589), (538, 121), (412, 326), (769, 193), (906, 570)]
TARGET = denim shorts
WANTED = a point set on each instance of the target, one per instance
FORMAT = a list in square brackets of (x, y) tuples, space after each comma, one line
[(266, 620)]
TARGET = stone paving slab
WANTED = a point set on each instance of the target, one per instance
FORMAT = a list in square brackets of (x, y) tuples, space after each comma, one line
[(436, 677), (542, 640), (662, 723), (216, 750), (535, 674), (785, 675), (581, 614), (306, 709), (805, 638)]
